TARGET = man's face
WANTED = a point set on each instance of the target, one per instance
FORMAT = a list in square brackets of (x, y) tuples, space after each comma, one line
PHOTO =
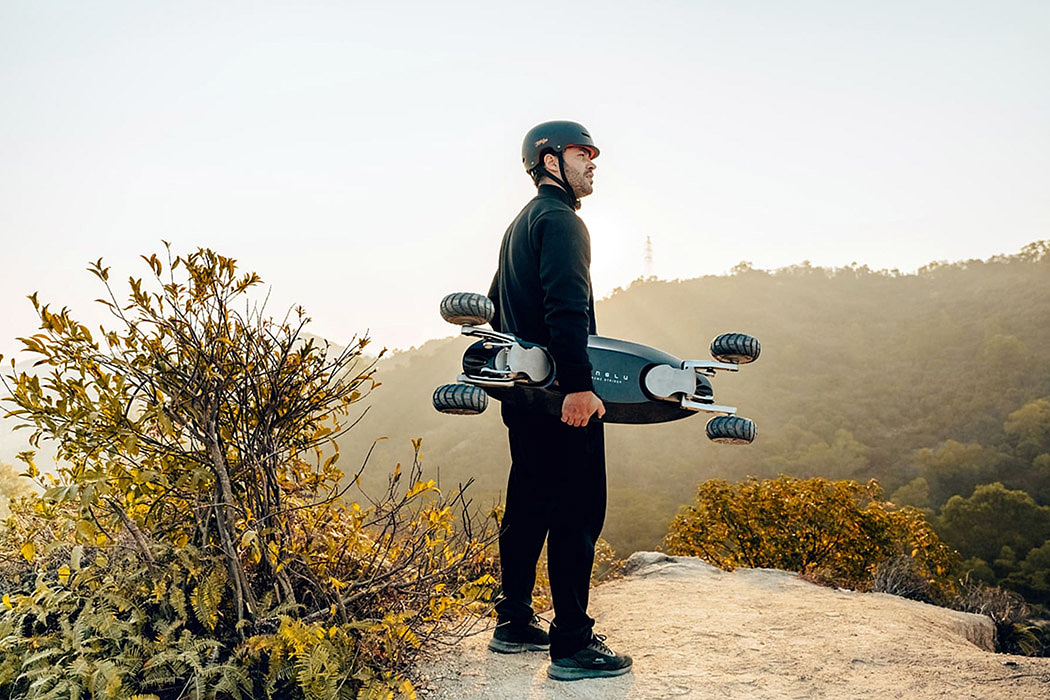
[(579, 170)]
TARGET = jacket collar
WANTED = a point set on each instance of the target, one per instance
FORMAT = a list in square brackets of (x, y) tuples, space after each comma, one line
[(557, 193)]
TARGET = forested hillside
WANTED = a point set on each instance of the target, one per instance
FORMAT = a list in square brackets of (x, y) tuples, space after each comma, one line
[(929, 382)]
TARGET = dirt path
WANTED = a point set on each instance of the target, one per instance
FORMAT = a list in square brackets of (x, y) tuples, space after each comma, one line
[(697, 632)]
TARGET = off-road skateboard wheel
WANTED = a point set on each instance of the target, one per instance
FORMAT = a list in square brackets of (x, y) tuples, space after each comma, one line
[(737, 348), (731, 430), (460, 399), (467, 309)]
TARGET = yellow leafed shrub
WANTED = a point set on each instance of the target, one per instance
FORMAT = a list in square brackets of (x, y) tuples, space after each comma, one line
[(839, 531), (198, 538)]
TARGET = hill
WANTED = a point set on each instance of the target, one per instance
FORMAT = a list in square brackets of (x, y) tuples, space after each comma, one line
[(696, 631), (861, 371)]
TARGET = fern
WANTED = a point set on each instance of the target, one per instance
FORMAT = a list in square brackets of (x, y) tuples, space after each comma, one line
[(207, 597), (234, 681), (177, 599), (314, 676)]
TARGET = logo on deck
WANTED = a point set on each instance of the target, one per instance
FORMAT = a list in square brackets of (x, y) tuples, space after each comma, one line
[(610, 377)]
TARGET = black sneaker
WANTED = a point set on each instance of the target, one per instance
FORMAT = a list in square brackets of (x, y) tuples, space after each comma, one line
[(593, 661), (514, 637)]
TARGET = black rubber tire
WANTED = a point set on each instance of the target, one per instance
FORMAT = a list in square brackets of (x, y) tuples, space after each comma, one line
[(460, 399), (467, 309), (731, 430), (736, 348)]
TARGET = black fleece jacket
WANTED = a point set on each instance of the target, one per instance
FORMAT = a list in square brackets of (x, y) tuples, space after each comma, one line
[(542, 289)]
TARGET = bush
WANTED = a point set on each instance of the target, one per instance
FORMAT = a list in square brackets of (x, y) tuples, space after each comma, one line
[(837, 531), (1014, 631), (196, 540), (902, 576)]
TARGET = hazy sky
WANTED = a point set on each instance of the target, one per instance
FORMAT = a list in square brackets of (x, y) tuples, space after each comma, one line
[(364, 158)]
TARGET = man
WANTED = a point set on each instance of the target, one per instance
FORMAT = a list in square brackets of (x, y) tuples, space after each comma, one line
[(556, 489)]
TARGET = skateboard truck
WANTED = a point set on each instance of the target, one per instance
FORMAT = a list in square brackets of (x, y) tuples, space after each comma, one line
[(681, 384), (692, 405), (513, 362), (708, 368)]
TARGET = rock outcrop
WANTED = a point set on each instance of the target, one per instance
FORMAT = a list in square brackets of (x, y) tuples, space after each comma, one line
[(698, 632)]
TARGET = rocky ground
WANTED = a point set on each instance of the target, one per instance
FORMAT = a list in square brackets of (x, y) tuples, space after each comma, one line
[(697, 632)]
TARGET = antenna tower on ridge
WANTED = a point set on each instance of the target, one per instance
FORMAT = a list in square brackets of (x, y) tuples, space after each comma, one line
[(648, 256)]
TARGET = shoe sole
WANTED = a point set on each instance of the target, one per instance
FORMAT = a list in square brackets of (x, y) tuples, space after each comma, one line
[(501, 647), (574, 673)]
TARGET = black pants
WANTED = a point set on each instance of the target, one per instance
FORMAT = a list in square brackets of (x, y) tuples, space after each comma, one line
[(556, 491)]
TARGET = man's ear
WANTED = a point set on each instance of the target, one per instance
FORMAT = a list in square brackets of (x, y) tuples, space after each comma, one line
[(550, 161)]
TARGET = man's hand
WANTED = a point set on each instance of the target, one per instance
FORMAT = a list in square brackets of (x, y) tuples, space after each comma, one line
[(578, 407)]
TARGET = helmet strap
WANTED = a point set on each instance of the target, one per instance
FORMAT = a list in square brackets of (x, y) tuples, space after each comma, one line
[(563, 181)]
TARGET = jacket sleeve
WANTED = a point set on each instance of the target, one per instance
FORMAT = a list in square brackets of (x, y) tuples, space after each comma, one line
[(494, 298), (564, 267)]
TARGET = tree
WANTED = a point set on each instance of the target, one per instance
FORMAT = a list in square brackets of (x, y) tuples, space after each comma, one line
[(955, 467), (198, 487), (1030, 426), (1032, 577), (991, 518), (915, 493)]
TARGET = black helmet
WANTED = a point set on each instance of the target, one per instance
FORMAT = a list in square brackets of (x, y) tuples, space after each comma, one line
[(554, 137)]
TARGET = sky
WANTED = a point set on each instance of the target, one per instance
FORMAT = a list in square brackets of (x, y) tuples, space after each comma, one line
[(364, 158)]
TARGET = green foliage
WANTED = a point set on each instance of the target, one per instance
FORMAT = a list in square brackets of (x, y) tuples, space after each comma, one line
[(196, 540), (111, 629), (837, 530), (955, 467), (1030, 427), (1030, 576), (915, 493), (991, 519)]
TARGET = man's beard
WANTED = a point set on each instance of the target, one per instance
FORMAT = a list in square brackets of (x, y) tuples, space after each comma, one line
[(581, 186)]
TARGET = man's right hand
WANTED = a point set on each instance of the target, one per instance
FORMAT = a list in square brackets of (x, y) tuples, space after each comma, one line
[(578, 407)]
